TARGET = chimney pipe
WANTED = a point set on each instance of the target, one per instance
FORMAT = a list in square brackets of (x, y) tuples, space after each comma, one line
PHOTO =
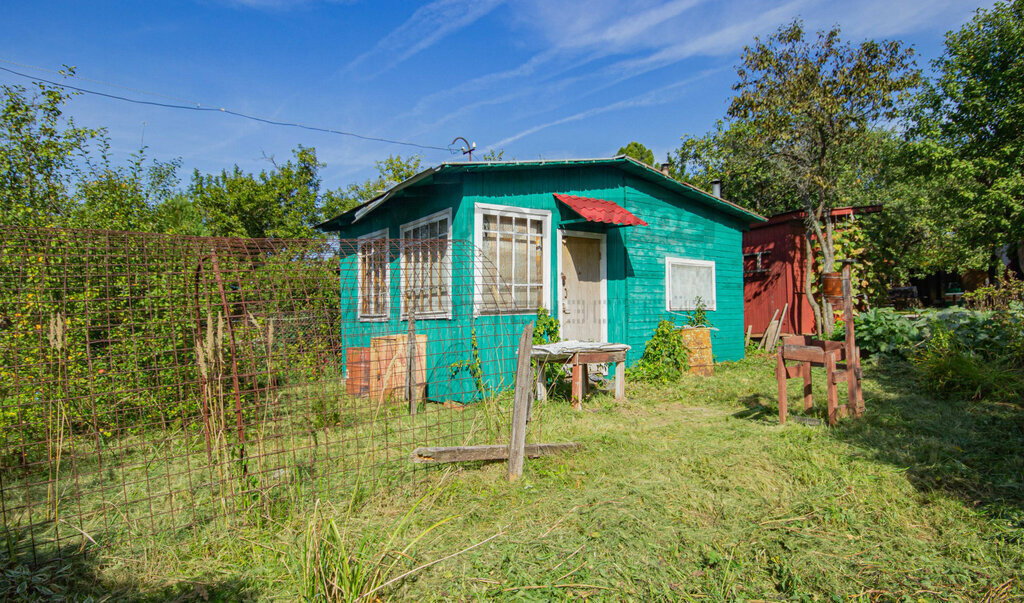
[(716, 188)]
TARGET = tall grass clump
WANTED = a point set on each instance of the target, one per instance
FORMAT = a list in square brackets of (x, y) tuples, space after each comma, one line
[(987, 366), (331, 561)]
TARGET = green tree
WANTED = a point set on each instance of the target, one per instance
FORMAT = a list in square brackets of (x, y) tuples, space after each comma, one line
[(123, 197), (282, 202), (967, 135), (637, 151), (733, 154), (179, 215), (390, 171), (804, 102), (38, 151)]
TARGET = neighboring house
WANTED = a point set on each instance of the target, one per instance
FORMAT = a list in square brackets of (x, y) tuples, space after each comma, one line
[(774, 266), (609, 246)]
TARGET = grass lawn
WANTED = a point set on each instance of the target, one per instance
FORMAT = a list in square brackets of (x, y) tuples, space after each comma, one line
[(690, 491)]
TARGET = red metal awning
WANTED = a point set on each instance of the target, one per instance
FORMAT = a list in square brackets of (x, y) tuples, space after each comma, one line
[(599, 210)]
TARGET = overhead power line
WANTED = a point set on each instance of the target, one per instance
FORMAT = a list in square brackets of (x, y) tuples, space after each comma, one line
[(201, 108)]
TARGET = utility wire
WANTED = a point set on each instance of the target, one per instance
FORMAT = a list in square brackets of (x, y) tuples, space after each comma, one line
[(201, 108), (95, 81)]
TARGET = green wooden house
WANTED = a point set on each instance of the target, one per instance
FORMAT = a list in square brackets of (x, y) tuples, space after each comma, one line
[(609, 246)]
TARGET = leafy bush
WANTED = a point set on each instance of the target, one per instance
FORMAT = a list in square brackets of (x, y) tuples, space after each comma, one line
[(970, 353), (949, 365), (882, 331), (665, 357), (1006, 294), (545, 330), (885, 331)]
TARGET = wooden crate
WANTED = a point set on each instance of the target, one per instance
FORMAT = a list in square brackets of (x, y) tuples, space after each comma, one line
[(389, 367), (357, 363)]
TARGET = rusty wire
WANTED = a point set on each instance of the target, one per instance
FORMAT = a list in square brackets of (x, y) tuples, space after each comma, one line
[(155, 383)]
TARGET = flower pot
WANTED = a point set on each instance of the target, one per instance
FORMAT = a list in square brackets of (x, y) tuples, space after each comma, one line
[(698, 341)]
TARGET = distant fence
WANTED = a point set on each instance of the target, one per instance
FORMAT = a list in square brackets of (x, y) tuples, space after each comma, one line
[(153, 383)]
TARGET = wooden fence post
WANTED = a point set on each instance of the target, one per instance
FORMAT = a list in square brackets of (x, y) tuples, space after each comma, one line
[(521, 405), (411, 389), (853, 394)]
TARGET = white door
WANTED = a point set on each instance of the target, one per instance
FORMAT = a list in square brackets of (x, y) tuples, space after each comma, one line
[(583, 310)]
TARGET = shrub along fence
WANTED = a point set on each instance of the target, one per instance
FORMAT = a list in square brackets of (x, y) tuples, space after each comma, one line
[(153, 383)]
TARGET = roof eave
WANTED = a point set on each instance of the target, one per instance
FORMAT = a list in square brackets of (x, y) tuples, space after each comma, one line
[(359, 212), (650, 172), (717, 202)]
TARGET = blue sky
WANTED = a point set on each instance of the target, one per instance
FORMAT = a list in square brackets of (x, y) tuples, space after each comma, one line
[(551, 79)]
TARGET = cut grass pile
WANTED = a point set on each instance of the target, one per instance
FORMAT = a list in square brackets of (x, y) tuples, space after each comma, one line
[(683, 492)]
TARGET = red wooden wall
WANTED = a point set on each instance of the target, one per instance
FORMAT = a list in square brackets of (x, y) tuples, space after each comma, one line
[(782, 279)]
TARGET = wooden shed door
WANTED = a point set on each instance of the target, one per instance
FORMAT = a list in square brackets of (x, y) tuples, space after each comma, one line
[(583, 308)]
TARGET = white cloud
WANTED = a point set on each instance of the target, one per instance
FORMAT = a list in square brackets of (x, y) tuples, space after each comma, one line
[(428, 25), (723, 40), (658, 96), (579, 33)]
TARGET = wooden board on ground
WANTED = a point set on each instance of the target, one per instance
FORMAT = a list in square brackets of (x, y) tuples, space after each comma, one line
[(496, 452)]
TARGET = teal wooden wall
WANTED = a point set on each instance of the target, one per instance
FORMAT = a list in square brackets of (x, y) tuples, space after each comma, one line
[(681, 227), (678, 226)]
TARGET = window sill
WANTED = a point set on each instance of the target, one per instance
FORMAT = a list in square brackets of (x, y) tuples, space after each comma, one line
[(516, 312), (435, 316)]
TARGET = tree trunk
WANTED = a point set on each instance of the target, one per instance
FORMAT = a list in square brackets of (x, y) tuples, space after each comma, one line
[(809, 281), (823, 321)]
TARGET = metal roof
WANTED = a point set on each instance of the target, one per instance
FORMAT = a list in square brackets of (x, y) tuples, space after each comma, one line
[(624, 162), (599, 210), (798, 215)]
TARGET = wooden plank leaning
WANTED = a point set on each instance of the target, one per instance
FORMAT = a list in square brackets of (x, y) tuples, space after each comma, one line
[(521, 406)]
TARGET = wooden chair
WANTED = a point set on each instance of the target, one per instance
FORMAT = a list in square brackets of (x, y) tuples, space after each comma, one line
[(841, 360), (833, 356)]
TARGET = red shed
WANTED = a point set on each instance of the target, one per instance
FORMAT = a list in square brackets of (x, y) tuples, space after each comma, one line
[(773, 270)]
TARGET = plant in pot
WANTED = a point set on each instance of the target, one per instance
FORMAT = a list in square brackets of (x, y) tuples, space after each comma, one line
[(696, 334)]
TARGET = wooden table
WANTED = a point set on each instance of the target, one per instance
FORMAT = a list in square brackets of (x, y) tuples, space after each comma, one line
[(580, 354)]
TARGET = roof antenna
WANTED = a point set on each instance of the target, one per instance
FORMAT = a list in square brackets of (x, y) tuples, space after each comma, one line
[(467, 149)]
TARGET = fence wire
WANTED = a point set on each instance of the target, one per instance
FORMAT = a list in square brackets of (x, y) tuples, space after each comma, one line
[(155, 383)]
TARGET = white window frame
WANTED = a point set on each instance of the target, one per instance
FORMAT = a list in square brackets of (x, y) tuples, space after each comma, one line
[(478, 241), (386, 314), (711, 304), (434, 217)]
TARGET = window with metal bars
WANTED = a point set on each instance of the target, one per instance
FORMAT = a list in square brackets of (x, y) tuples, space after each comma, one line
[(426, 267), (514, 245), (374, 277)]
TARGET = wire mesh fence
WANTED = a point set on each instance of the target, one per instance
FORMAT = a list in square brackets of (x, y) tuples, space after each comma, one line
[(154, 383)]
